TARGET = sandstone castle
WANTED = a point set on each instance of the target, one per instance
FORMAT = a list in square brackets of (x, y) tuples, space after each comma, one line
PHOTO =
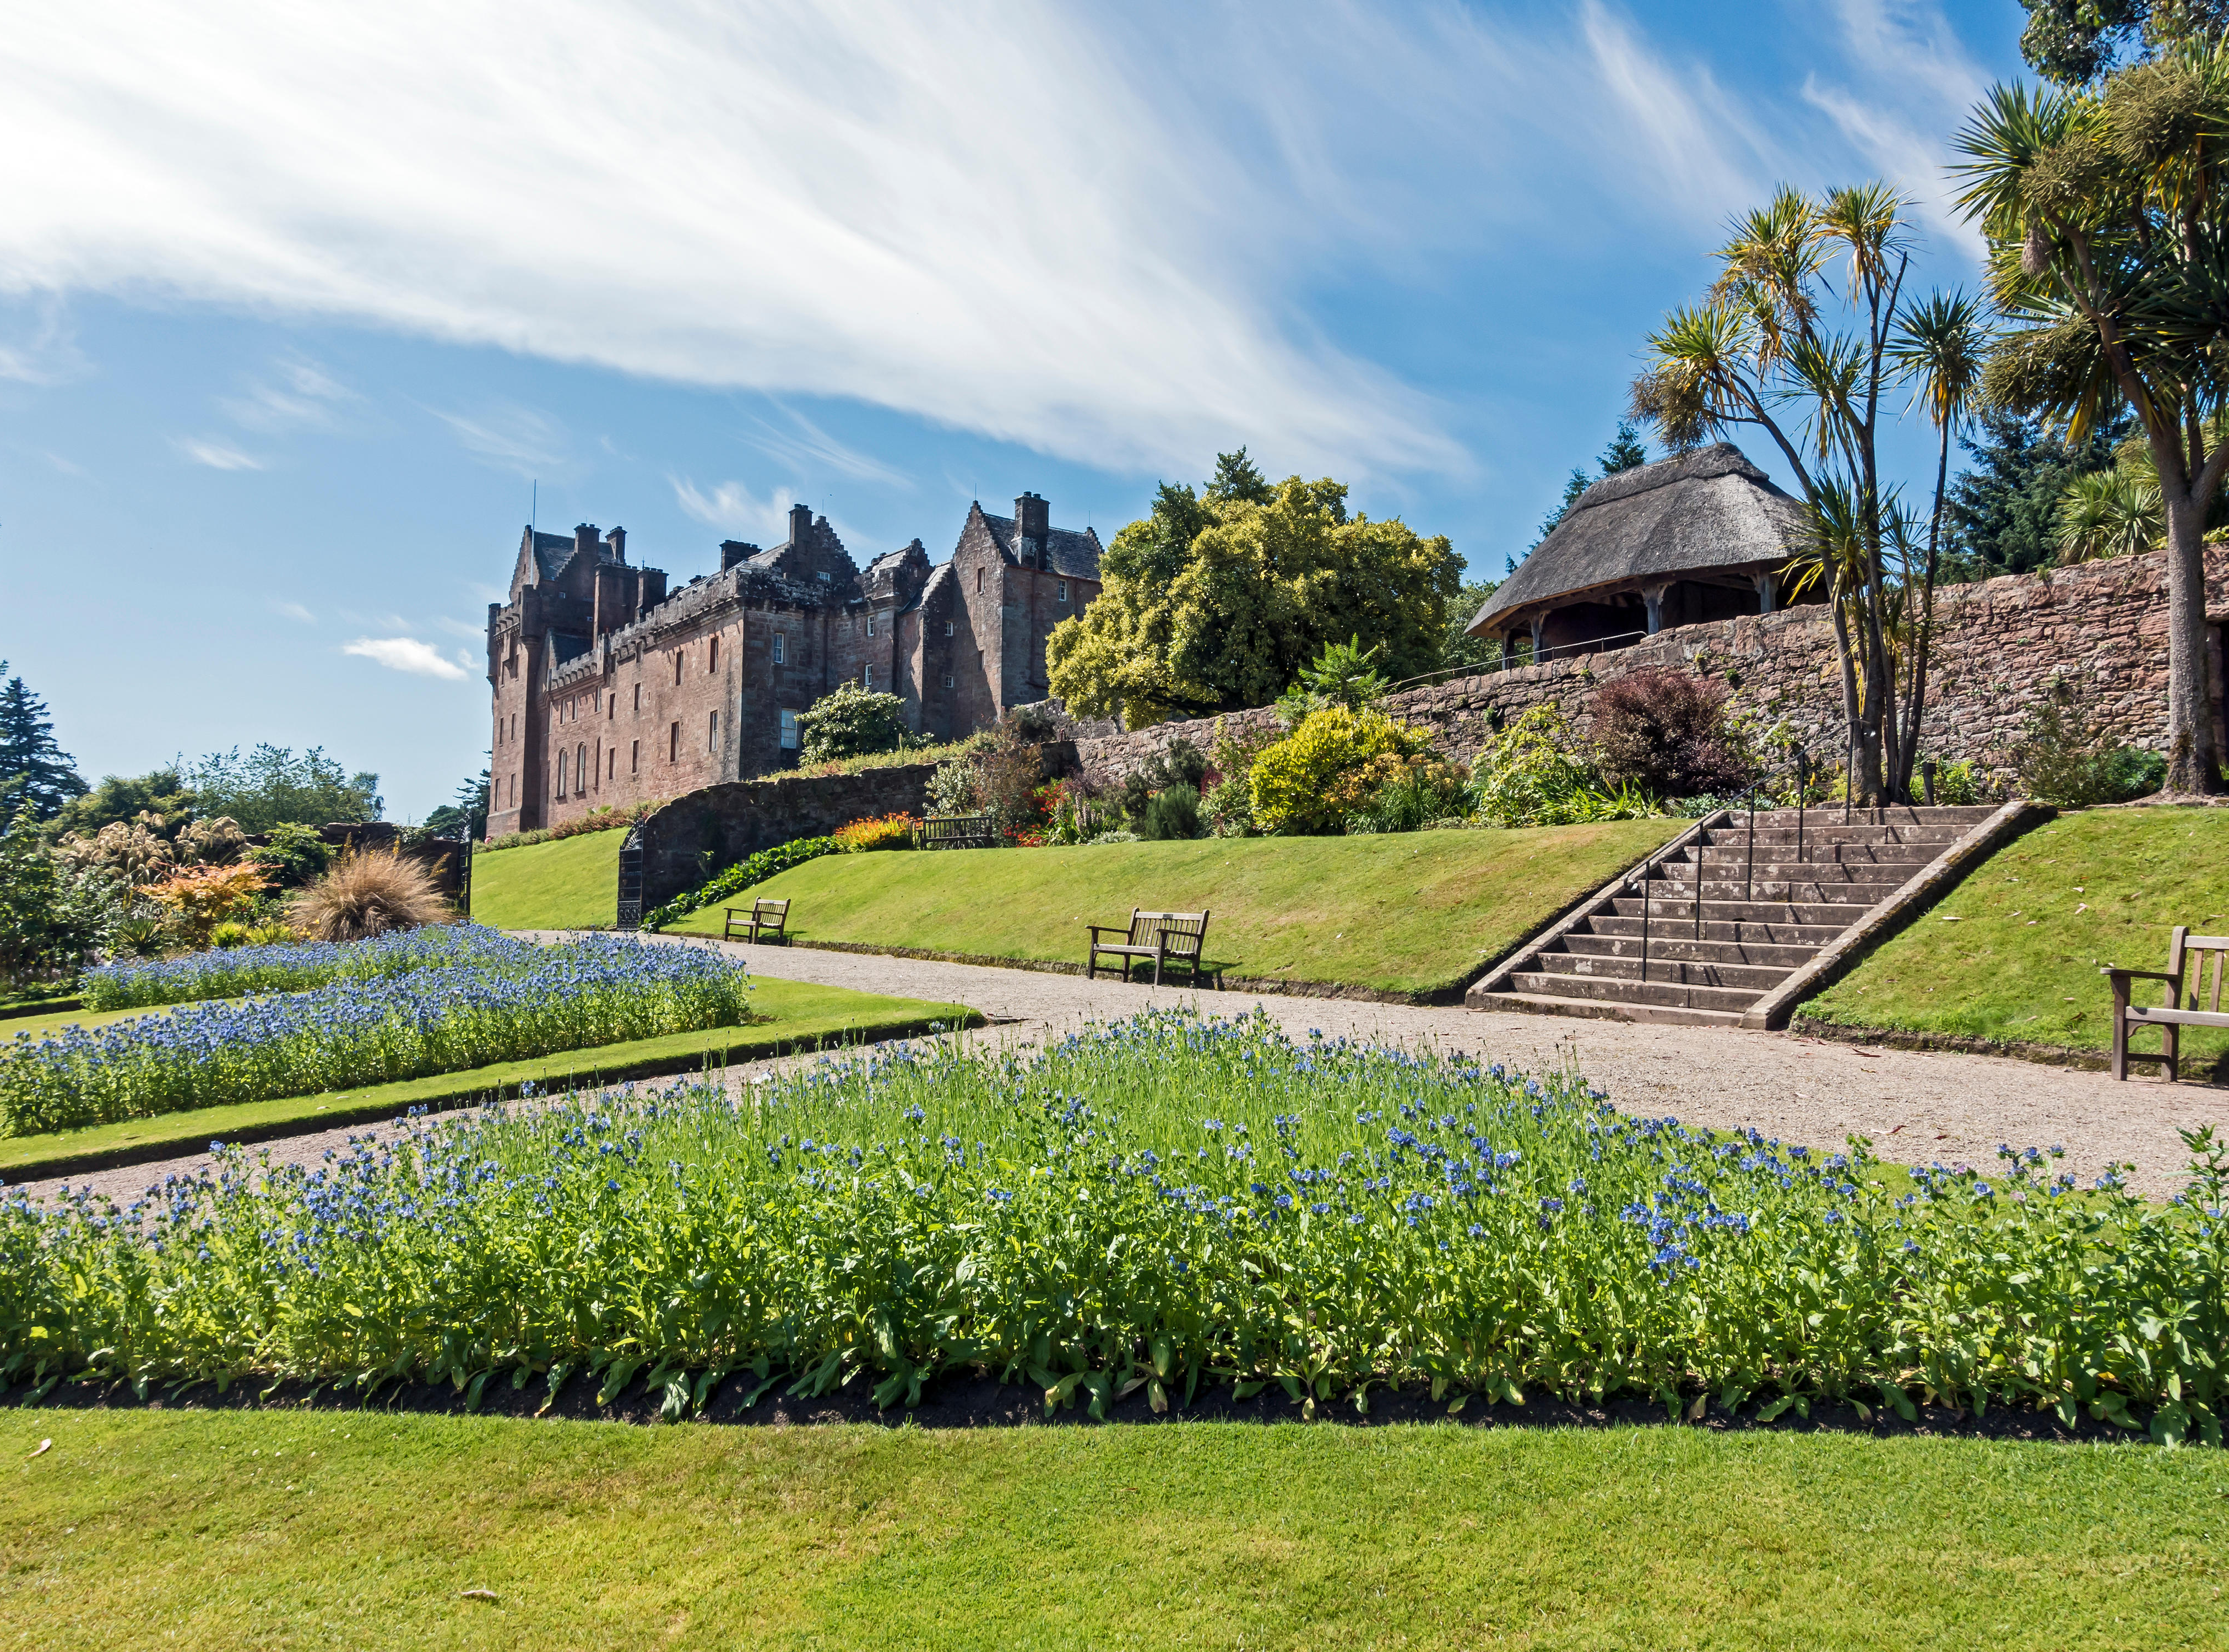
[(609, 690)]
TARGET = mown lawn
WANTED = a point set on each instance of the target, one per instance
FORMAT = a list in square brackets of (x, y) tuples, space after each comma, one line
[(1414, 913), (573, 883), (242, 1529), (799, 1015), (2013, 952)]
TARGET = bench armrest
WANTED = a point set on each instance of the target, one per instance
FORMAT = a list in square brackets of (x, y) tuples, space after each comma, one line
[(1097, 929), (2137, 975)]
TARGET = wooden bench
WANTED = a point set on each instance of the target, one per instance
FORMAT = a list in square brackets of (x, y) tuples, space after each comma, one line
[(2172, 1017), (958, 832), (766, 920), (1164, 937)]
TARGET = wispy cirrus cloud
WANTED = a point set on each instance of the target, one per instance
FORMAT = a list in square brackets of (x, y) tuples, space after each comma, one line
[(295, 612), (522, 440), (733, 509), (406, 654), (218, 456), (295, 393), (806, 446)]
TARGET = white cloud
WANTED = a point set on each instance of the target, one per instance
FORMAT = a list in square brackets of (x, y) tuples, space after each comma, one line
[(406, 654), (218, 456), (294, 610), (805, 446), (48, 356), (296, 392), (514, 439), (731, 508)]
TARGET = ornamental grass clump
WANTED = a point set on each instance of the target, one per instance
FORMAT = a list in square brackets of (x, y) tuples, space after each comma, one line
[(369, 891), (1163, 1203), (597, 991), (297, 966)]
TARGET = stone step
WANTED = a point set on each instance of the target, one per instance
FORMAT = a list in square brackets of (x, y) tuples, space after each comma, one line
[(1834, 915), (1682, 944), (1737, 872), (1769, 892), (1783, 851), (1604, 1009), (1807, 937), (1607, 989), (1963, 815), (1752, 978)]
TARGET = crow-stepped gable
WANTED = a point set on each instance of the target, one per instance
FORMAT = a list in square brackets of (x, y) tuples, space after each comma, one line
[(609, 690)]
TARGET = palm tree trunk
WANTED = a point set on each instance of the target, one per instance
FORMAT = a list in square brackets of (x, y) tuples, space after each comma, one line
[(2192, 765), (1922, 624)]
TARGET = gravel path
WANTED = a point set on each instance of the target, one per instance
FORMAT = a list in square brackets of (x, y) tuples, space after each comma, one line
[(1917, 1107)]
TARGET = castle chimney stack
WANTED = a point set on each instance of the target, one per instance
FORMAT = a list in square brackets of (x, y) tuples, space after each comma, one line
[(1032, 522), (800, 524), (617, 541), (584, 540)]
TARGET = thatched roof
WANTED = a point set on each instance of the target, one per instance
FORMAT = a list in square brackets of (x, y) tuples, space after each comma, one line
[(1707, 515)]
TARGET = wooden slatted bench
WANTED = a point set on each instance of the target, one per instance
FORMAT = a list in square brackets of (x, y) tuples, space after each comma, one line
[(768, 920), (1164, 937), (2185, 955)]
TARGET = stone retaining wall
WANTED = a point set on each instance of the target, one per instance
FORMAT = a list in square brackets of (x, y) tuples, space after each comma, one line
[(2102, 626)]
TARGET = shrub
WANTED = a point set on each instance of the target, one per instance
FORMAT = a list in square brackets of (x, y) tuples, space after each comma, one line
[(850, 721), (2061, 758), (294, 856), (1228, 798), (196, 900), (229, 935), (52, 916), (1034, 722), (888, 832), (1292, 782), (1957, 783), (1664, 733), (1345, 674), (1171, 815), (369, 891), (755, 869), (1404, 794), (1537, 775)]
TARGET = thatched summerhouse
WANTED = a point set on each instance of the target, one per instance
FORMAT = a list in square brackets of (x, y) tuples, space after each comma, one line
[(1700, 537)]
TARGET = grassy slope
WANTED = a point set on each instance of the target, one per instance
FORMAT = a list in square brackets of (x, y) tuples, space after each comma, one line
[(573, 883), (803, 1015), (193, 1530), (2035, 923), (1412, 912)]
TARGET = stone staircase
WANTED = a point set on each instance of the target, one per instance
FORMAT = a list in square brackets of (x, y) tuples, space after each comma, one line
[(1769, 905)]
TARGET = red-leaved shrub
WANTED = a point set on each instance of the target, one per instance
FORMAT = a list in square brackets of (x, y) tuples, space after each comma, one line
[(1665, 731)]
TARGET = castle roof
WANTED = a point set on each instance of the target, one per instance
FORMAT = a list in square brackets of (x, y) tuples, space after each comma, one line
[(553, 554), (1708, 515), (1066, 551)]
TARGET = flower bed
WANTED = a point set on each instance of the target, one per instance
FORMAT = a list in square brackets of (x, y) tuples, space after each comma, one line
[(350, 1033), (1163, 1203), (297, 966)]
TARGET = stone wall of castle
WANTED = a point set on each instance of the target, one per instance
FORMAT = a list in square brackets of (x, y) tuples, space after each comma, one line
[(2101, 627)]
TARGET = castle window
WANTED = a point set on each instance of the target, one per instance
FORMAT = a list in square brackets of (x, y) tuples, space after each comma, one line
[(712, 733), (634, 756), (948, 679), (612, 763), (581, 768), (780, 657), (673, 744), (947, 628), (1063, 597), (979, 582), (677, 657), (870, 624), (789, 730), (561, 774), (637, 699), (714, 664), (824, 577), (612, 707), (866, 677)]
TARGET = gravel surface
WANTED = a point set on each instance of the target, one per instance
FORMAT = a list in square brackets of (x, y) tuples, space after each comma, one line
[(1917, 1107)]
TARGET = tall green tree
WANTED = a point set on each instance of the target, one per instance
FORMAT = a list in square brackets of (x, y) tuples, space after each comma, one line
[(1217, 600), (1787, 344), (2002, 514), (2075, 42), (36, 773), (2107, 216), (466, 817), (272, 785)]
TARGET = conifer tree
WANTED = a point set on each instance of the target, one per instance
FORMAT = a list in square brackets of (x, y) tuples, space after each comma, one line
[(35, 771)]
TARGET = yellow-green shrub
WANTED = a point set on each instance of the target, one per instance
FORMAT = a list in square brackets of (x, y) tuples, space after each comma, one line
[(1296, 784)]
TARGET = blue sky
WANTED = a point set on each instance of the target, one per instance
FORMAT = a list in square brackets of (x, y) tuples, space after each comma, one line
[(297, 305)]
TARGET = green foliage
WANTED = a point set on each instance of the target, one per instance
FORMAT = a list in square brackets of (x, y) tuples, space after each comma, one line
[(2076, 42), (1216, 601), (1171, 815), (117, 800), (1345, 674), (2000, 515), (1416, 792), (1178, 764), (1458, 648), (1292, 783), (271, 786), (35, 771), (1538, 775), (755, 869), (296, 854), (850, 721), (2063, 759), (1957, 783), (467, 817), (1482, 1235), (51, 919)]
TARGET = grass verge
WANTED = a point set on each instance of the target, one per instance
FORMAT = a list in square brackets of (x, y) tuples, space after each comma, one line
[(1415, 914), (573, 883), (230, 1529), (805, 1017), (2010, 956)]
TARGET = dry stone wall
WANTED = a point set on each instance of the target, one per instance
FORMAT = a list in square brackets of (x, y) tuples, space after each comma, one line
[(2101, 627)]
